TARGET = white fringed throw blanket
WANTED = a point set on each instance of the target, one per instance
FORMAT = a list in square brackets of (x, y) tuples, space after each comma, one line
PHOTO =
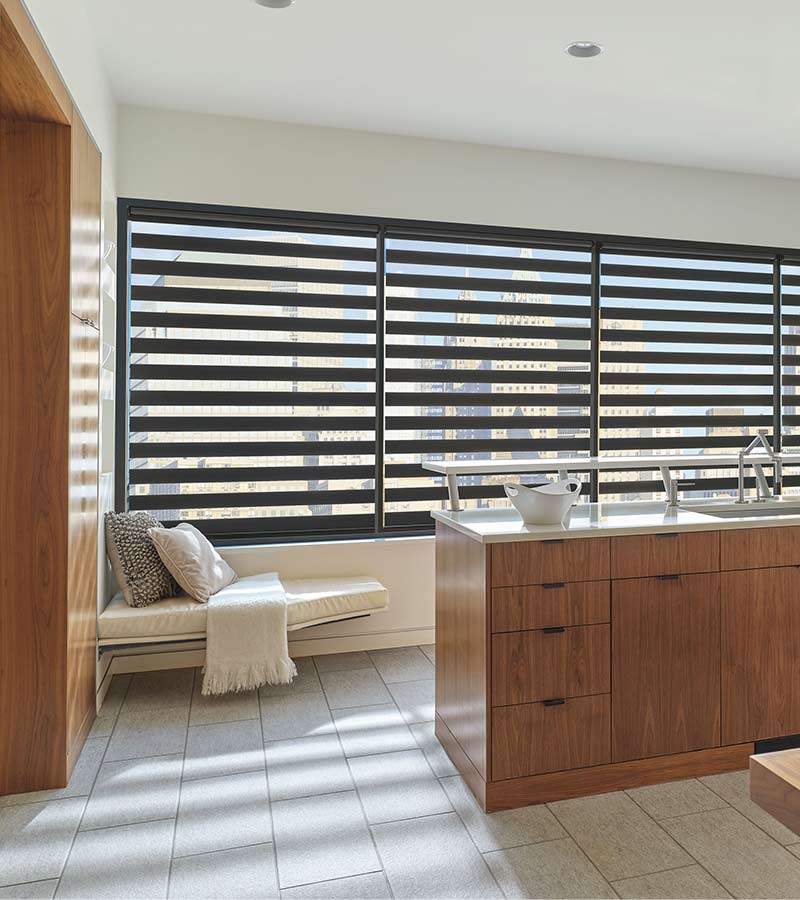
[(246, 643)]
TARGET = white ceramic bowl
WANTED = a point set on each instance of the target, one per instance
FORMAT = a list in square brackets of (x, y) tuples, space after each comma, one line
[(544, 504)]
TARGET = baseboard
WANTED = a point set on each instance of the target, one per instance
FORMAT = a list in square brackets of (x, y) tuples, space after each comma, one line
[(175, 656)]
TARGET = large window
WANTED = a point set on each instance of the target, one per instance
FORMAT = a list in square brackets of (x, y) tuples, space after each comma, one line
[(286, 375)]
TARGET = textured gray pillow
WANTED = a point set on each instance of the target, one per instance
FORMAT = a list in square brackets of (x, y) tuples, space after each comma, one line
[(141, 575)]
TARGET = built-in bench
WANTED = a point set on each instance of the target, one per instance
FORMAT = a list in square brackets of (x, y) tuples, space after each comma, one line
[(312, 601)]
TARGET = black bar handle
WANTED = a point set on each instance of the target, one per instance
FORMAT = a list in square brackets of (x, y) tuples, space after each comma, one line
[(554, 541), (553, 585), (556, 629), (554, 702), (668, 577), (669, 534)]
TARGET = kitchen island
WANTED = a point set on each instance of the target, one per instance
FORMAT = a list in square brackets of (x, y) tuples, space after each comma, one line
[(631, 645)]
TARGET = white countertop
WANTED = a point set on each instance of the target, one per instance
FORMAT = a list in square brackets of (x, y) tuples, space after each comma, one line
[(492, 526), (583, 463)]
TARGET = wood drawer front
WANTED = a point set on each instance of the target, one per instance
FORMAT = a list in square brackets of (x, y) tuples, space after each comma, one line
[(760, 548), (545, 562), (669, 553), (551, 605), (534, 738), (541, 665)]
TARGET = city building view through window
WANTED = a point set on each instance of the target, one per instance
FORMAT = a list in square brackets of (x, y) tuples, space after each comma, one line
[(283, 380)]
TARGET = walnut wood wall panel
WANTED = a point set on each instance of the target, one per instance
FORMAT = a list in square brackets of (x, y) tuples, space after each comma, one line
[(462, 642), (761, 652), (666, 665), (552, 605), (540, 562), (542, 665), (760, 548), (49, 386), (639, 556), (30, 87), (84, 435), (82, 586), (533, 738), (34, 450)]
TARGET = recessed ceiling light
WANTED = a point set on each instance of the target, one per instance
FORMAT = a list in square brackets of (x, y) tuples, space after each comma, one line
[(275, 4), (584, 49)]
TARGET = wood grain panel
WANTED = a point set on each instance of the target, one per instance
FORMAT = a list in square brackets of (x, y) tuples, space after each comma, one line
[(549, 606), (666, 665), (642, 555), (85, 289), (462, 642), (538, 665), (760, 548), (34, 449), (542, 562), (461, 761), (532, 738), (775, 785), (516, 792), (82, 555), (760, 653), (30, 86)]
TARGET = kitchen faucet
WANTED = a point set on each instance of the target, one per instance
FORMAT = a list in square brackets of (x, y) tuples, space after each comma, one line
[(762, 487)]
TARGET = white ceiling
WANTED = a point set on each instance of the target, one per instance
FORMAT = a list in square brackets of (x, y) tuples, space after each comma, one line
[(711, 83)]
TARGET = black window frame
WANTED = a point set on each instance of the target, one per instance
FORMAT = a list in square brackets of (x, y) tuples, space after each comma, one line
[(597, 243)]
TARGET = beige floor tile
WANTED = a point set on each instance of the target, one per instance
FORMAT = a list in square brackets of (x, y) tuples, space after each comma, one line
[(438, 760), (223, 813), (620, 839), (354, 687), (556, 869), (322, 838), (415, 700), (128, 862), (80, 782), (35, 839), (33, 890), (743, 859), (501, 830), (430, 651), (134, 790), (396, 786), (107, 717), (734, 788), (402, 664), (676, 798), (161, 690), (366, 730), (294, 716), (246, 873), (795, 848), (303, 767), (213, 710), (337, 662), (433, 857), (227, 748), (688, 883), (305, 682), (357, 887), (148, 732)]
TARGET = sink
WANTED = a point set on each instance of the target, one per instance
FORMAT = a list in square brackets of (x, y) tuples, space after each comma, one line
[(748, 511)]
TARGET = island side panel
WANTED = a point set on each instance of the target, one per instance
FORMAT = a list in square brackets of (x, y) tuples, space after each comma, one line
[(462, 643)]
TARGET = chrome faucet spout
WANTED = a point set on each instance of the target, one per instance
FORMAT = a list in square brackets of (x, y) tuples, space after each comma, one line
[(756, 460)]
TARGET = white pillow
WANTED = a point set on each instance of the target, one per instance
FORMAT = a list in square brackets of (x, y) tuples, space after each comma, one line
[(192, 560)]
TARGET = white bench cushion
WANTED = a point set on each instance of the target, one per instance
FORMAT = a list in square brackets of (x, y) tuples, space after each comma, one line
[(311, 601)]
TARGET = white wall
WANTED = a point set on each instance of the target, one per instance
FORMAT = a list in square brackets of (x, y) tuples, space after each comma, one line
[(189, 157)]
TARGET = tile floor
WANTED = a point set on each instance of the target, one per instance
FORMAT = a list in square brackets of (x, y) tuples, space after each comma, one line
[(336, 787)]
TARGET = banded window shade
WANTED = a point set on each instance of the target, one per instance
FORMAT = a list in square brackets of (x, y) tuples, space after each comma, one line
[(686, 363), (790, 359), (253, 376), (487, 354)]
